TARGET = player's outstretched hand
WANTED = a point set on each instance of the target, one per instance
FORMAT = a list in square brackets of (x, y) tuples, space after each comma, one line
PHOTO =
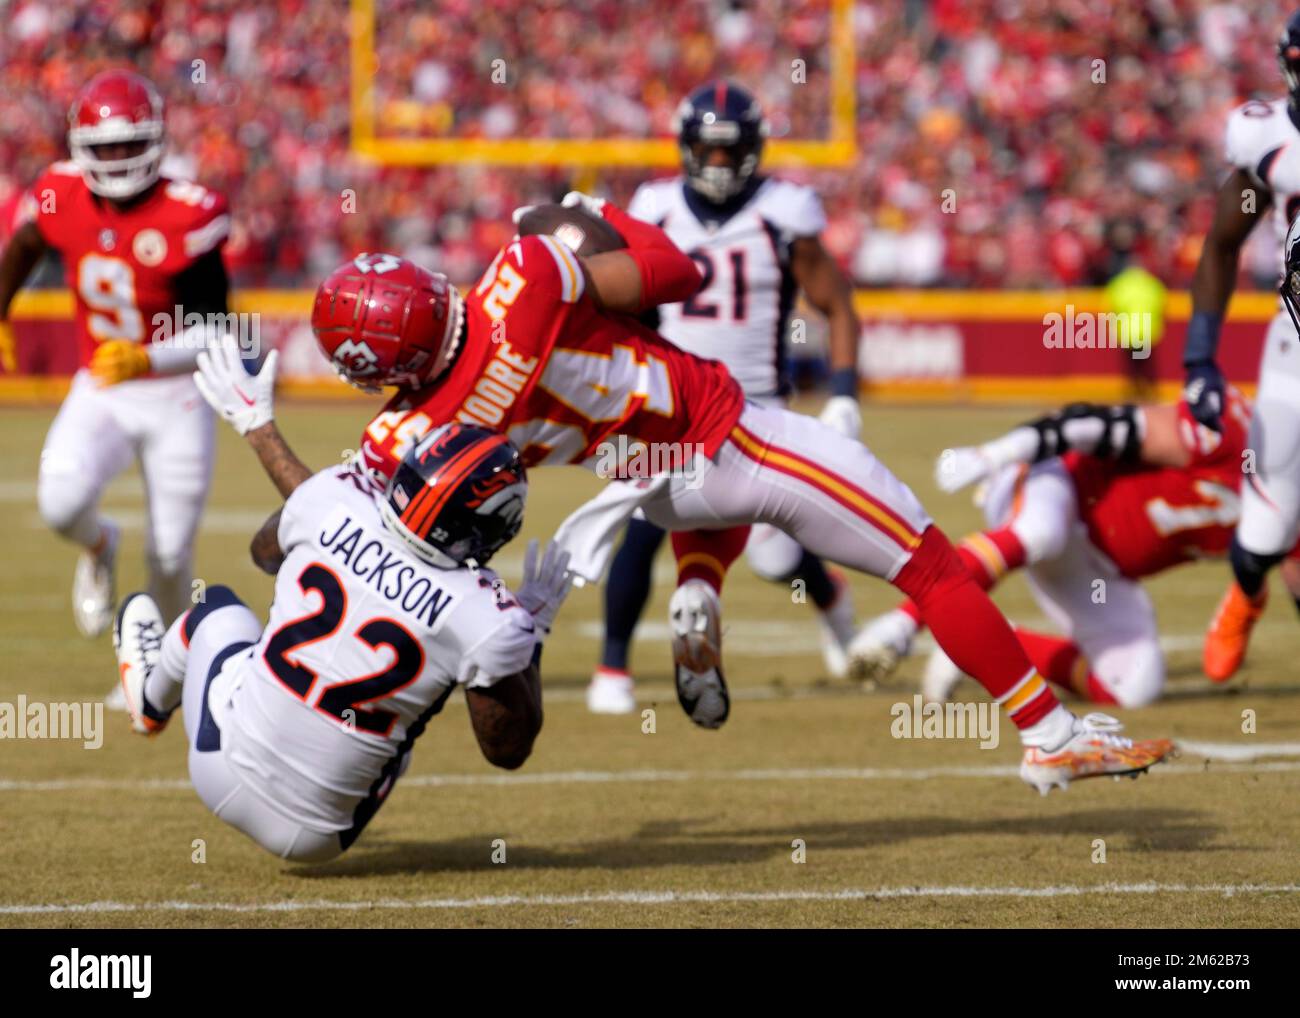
[(545, 585), (578, 199), (843, 414), (520, 212), (245, 401), (1203, 392), (956, 468)]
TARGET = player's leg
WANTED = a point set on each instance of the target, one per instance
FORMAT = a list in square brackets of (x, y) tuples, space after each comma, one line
[(176, 454), (778, 558), (627, 590), (858, 514), (1031, 514), (1270, 501), (704, 556), (177, 667), (84, 449), (1109, 650)]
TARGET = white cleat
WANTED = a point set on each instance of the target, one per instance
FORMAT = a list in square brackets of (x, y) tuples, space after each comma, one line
[(116, 699), (878, 647), (940, 678), (1094, 750), (137, 638), (92, 587), (695, 618), (611, 692), (837, 628)]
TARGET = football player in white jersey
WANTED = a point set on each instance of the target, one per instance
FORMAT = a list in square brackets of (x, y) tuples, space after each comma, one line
[(299, 729), (1263, 149), (755, 240)]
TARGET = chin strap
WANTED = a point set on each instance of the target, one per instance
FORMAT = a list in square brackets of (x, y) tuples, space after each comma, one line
[(1108, 432)]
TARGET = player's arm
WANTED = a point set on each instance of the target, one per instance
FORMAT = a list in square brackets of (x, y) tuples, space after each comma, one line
[(507, 717), (829, 291), (1242, 200), (247, 403), (23, 251), (1120, 432), (265, 548), (650, 271), (507, 714), (202, 288)]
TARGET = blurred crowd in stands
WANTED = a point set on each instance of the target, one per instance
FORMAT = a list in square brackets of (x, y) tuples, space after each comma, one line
[(1020, 143)]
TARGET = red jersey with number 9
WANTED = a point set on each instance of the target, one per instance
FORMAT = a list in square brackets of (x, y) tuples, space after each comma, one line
[(1147, 519), (122, 262), (544, 364)]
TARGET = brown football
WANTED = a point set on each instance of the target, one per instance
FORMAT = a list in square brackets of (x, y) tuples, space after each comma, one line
[(576, 227)]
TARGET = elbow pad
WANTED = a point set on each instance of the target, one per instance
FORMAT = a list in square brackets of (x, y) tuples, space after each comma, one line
[(1108, 432)]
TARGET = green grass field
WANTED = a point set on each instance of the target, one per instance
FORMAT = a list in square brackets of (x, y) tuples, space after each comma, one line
[(609, 826)]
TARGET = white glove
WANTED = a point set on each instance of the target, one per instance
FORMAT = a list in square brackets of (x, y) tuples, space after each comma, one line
[(959, 467), (544, 586), (245, 401), (843, 414), (596, 206)]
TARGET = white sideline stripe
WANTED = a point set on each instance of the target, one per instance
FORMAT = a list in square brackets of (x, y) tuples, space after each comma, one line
[(646, 777), (1239, 751), (665, 897)]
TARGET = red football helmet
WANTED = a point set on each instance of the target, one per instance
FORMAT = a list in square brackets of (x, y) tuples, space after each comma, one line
[(117, 110), (382, 320)]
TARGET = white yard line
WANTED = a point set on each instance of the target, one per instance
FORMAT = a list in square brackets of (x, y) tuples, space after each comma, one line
[(663, 897), (651, 776)]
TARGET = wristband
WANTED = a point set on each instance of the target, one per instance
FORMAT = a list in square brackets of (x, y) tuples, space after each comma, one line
[(1202, 338), (844, 382)]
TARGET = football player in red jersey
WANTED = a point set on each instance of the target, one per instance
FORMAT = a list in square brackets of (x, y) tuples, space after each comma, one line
[(544, 349), (139, 251), (1089, 501)]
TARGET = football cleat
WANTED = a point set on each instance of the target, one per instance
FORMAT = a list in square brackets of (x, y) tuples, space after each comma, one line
[(137, 638), (1095, 749), (92, 586), (874, 653), (611, 692), (1229, 632), (695, 617), (837, 627)]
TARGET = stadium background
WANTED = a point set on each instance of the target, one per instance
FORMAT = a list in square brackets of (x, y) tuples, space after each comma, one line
[(338, 127)]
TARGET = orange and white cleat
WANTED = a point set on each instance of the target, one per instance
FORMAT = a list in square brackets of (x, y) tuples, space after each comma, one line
[(1094, 750), (1229, 633), (137, 637)]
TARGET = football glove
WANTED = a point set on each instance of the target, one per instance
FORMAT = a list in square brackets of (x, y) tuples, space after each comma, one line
[(8, 351), (1204, 393), (245, 401), (119, 360), (956, 468), (545, 585), (843, 414), (576, 199)]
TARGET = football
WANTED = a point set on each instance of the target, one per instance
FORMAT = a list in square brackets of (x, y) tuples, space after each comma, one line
[(582, 232)]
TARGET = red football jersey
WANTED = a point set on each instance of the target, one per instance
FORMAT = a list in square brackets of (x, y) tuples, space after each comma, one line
[(544, 364), (121, 264), (1150, 518)]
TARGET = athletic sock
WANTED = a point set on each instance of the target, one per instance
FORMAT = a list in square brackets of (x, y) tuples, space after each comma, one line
[(987, 556), (1062, 663), (1250, 568), (162, 690), (631, 577), (707, 554), (972, 632)]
